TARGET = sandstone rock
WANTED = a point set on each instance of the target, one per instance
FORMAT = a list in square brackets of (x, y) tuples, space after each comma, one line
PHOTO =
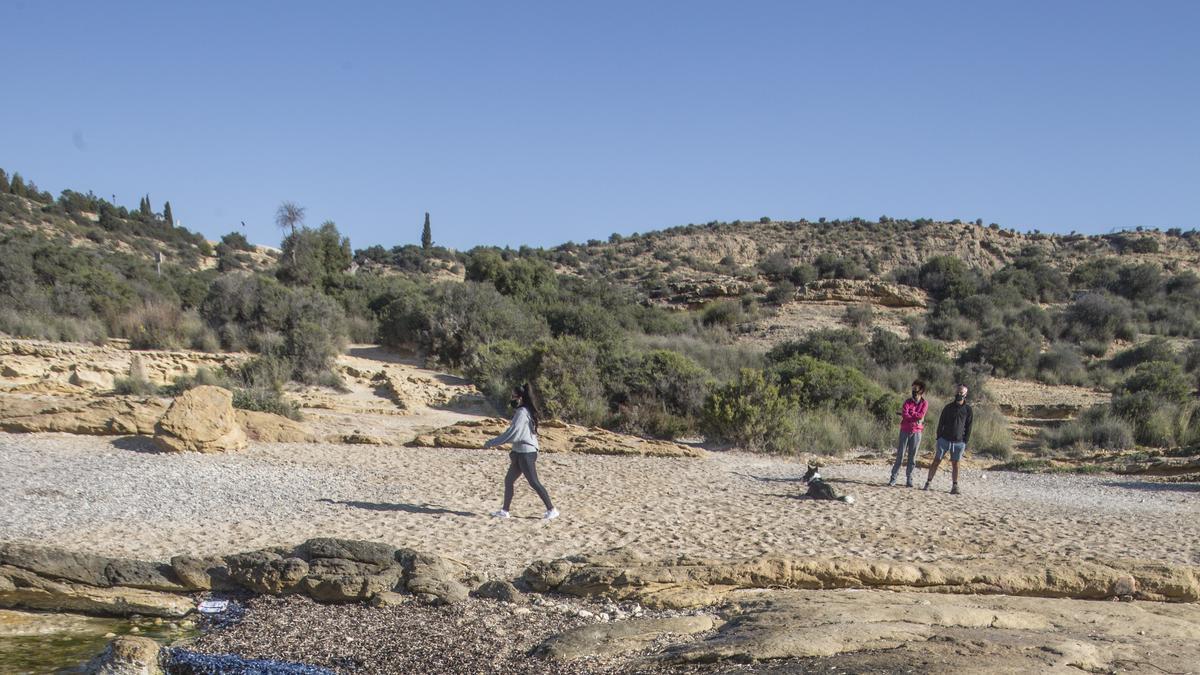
[(685, 583), (127, 655), (110, 415), (200, 420), (22, 588), (56, 563), (90, 378), (268, 428), (945, 633), (854, 290), (619, 637), (144, 575), (554, 437), (500, 590)]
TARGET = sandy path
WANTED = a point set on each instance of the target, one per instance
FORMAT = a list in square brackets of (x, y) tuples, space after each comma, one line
[(115, 497)]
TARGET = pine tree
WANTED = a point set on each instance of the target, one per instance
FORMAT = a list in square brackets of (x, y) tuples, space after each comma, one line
[(426, 234), (17, 185), (3, 182), (167, 215)]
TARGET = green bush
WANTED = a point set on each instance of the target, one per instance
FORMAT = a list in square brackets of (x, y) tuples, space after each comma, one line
[(1009, 351), (750, 412), (1095, 429), (265, 399), (947, 277), (1097, 317), (1155, 349), (839, 346), (568, 380), (815, 384), (1061, 364), (723, 313), (783, 291), (1163, 380)]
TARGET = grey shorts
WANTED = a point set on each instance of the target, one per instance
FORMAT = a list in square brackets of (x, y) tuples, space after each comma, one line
[(955, 449)]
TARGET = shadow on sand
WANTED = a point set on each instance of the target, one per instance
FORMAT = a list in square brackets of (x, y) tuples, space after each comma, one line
[(1152, 486), (424, 509), (143, 444)]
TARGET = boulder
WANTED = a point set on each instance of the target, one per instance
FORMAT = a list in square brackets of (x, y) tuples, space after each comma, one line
[(430, 575), (500, 590), (127, 655), (619, 637), (200, 420)]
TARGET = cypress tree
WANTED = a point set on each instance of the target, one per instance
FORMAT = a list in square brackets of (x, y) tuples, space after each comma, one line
[(17, 185), (426, 234), (3, 182), (167, 215), (145, 207)]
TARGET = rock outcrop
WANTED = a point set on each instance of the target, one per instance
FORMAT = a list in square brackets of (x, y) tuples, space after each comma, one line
[(873, 631), (326, 570), (200, 420), (554, 437), (689, 583), (110, 415), (853, 290)]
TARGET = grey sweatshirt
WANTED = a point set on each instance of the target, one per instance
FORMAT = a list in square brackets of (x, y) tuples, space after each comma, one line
[(520, 434)]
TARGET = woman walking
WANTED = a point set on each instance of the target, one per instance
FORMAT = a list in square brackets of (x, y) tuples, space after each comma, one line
[(912, 423), (522, 433)]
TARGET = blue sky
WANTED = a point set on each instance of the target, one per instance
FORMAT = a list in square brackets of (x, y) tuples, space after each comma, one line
[(537, 123)]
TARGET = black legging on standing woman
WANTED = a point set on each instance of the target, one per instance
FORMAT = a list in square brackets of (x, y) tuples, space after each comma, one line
[(524, 463)]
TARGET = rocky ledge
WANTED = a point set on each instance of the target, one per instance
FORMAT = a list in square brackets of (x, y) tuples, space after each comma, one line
[(554, 436), (326, 570), (689, 582)]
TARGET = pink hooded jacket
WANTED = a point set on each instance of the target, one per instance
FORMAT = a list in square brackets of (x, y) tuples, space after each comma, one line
[(911, 415)]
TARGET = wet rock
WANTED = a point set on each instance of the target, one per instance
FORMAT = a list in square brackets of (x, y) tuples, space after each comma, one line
[(200, 420), (127, 655)]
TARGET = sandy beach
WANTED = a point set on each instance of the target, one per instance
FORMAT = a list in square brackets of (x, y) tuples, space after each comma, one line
[(115, 496)]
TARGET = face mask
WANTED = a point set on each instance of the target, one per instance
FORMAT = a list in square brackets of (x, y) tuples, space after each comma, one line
[(512, 402), (915, 393), (960, 398)]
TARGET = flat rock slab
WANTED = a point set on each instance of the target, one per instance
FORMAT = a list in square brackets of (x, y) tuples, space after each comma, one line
[(619, 637), (936, 632), (685, 582)]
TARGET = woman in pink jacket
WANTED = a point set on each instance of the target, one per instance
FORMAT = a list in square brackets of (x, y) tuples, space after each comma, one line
[(912, 423)]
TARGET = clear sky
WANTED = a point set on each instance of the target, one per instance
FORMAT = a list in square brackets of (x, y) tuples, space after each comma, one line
[(541, 122)]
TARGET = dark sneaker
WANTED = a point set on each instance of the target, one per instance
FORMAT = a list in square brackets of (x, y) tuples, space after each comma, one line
[(926, 486), (954, 490)]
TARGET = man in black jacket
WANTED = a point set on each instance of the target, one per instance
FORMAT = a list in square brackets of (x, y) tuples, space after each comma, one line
[(953, 434)]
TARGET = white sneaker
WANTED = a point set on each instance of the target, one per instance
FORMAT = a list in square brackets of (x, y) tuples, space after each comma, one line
[(501, 514), (550, 515)]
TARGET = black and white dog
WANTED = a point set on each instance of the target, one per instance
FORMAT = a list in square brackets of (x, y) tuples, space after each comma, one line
[(819, 489)]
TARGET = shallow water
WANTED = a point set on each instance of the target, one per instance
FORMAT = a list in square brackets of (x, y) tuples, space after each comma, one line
[(46, 642)]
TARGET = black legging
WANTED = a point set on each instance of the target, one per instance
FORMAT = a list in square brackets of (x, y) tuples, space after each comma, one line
[(524, 463)]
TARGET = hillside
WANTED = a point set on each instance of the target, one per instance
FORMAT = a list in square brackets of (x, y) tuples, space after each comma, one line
[(765, 335), (685, 265)]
